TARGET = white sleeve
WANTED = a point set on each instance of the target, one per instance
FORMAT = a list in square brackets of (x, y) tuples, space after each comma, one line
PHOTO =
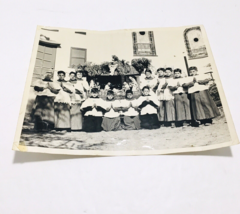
[(85, 85), (38, 83), (79, 87), (86, 103)]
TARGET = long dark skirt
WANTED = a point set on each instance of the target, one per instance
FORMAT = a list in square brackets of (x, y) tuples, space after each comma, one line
[(131, 123), (62, 116), (161, 111), (149, 121), (182, 107), (44, 113), (111, 124), (169, 111), (92, 124), (76, 117), (203, 106)]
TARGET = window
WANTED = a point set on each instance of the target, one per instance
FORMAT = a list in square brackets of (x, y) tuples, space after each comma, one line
[(143, 43), (194, 43), (77, 56)]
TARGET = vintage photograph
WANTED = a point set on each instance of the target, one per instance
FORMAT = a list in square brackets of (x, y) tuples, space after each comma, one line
[(123, 92)]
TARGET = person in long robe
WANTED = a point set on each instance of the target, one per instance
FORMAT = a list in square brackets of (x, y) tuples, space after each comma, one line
[(82, 80), (160, 95), (111, 119), (93, 109), (62, 104), (77, 97), (169, 116), (46, 92), (182, 103), (148, 80), (129, 107), (148, 105), (203, 107)]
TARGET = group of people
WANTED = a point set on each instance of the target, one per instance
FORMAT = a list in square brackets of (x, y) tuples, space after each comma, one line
[(166, 100)]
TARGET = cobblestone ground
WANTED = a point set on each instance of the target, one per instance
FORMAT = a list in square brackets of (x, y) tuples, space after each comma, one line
[(163, 138)]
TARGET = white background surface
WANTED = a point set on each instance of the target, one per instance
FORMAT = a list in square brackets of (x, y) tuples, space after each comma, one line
[(205, 182)]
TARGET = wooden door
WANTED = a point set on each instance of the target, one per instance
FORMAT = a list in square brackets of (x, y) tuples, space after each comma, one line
[(46, 56)]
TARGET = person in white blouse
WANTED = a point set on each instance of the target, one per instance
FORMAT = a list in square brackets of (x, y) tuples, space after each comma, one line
[(130, 113), (148, 106), (82, 80), (93, 109), (62, 103), (111, 119), (77, 97), (148, 80)]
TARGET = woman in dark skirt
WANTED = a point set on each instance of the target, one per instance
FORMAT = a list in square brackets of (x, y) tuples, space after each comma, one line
[(148, 105), (203, 107)]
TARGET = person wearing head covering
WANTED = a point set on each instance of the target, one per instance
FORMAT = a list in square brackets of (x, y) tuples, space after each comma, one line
[(81, 80), (160, 94), (168, 97), (111, 119), (62, 104), (148, 106), (203, 107), (45, 91), (93, 109), (182, 103), (77, 97), (129, 107)]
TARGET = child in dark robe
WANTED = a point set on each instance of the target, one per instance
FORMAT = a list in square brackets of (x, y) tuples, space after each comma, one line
[(203, 107), (111, 120), (182, 103), (129, 106), (93, 109), (148, 106)]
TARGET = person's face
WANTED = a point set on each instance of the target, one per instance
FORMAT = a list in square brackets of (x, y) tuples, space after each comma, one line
[(160, 73), (168, 73), (129, 95), (61, 76), (72, 76), (145, 92), (110, 96), (177, 74), (79, 75), (148, 74), (94, 94), (194, 72)]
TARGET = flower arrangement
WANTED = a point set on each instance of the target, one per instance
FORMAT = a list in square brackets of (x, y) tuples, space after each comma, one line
[(140, 64)]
